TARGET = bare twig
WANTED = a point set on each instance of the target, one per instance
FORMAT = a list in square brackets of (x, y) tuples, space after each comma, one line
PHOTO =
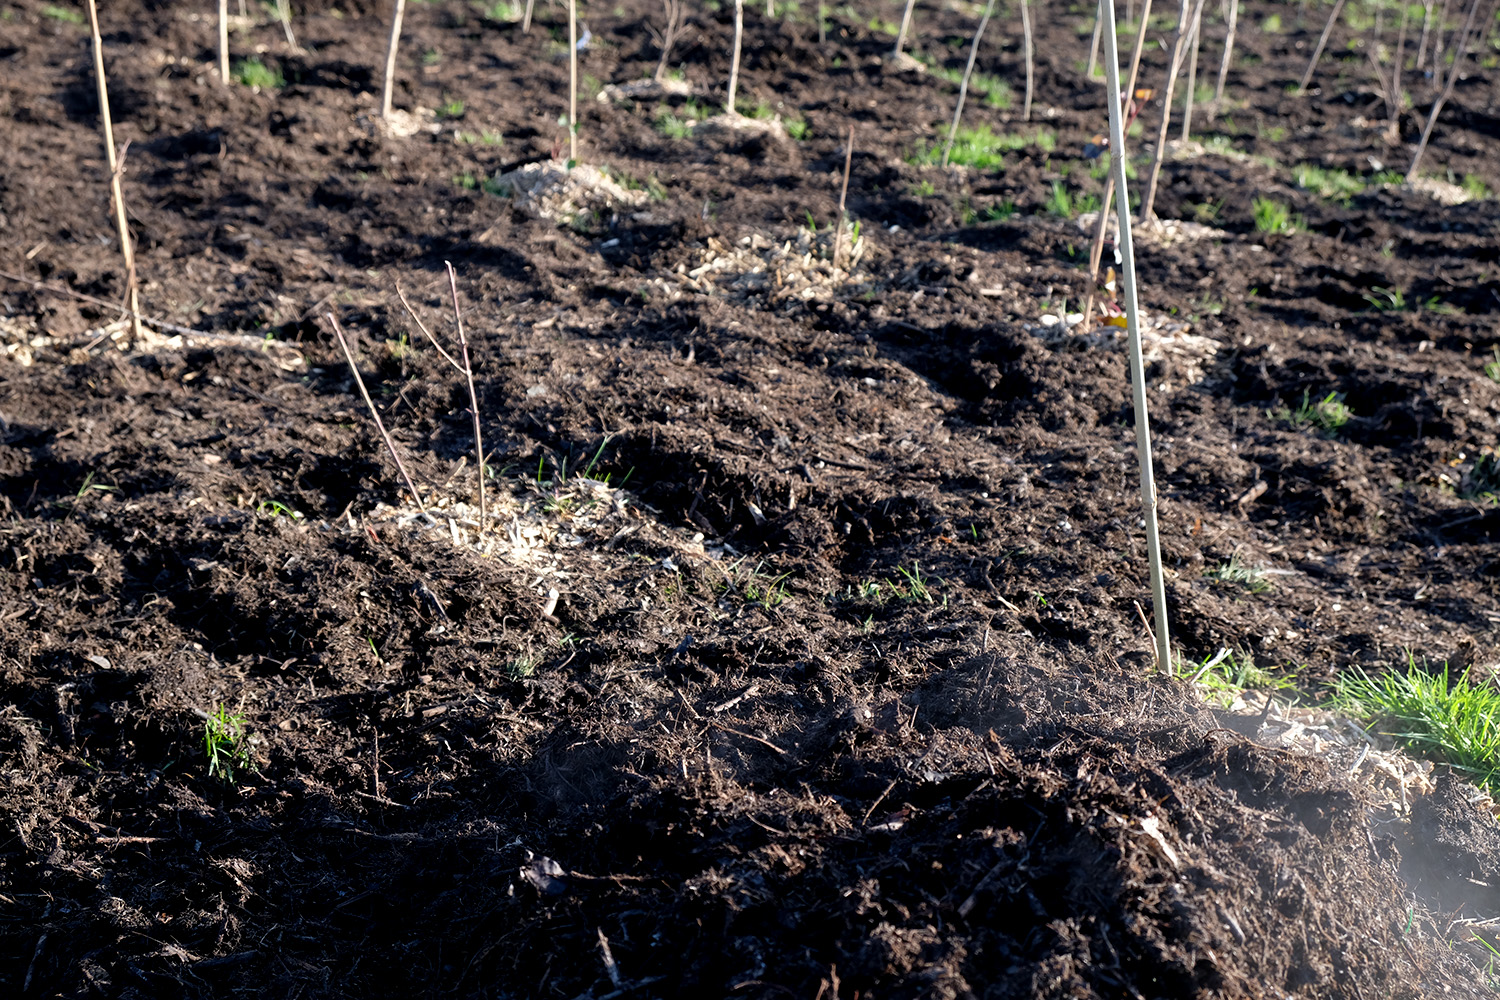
[(609, 959), (572, 81), (1312, 63), (468, 370), (1192, 80), (1185, 19), (154, 321), (905, 27), (284, 15), (963, 87), (379, 424), (668, 36), (1459, 51), (526, 20), (390, 59), (1030, 56), (425, 332), (116, 168), (224, 42), (734, 61), (1234, 16), (838, 234)]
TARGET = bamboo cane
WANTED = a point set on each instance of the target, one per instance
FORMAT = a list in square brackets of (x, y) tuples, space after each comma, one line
[(963, 87), (1133, 329), (905, 27), (1184, 25), (1030, 57), (1096, 250), (116, 191), (1192, 80), (572, 81), (1234, 16), (1312, 63), (224, 42), (390, 59), (734, 60)]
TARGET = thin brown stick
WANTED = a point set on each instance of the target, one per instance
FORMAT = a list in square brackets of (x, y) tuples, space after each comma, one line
[(1312, 63), (1192, 80), (379, 424), (1096, 251), (155, 321), (224, 42), (838, 233), (1184, 30), (1029, 54), (963, 87), (905, 27), (1234, 16), (1427, 6), (116, 168), (668, 37), (284, 15), (1459, 51), (468, 370), (1437, 43), (1094, 49), (425, 332), (572, 81), (390, 59), (734, 59)]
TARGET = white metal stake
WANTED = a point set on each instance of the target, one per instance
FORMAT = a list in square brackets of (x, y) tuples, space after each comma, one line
[(1133, 327)]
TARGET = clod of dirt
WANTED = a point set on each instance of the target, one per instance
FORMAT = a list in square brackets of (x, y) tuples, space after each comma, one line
[(401, 124), (553, 190), (645, 90), (738, 124)]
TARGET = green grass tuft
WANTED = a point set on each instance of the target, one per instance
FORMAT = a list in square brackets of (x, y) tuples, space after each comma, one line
[(226, 745), (1449, 718), (1334, 185), (254, 73), (1274, 217), (1328, 414)]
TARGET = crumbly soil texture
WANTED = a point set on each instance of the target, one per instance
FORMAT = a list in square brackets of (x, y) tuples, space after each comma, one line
[(801, 649)]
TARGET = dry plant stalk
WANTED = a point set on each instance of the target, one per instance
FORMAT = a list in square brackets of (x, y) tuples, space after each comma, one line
[(572, 82), (526, 20), (284, 15), (1234, 16), (734, 59), (1030, 56), (224, 42), (838, 235), (116, 168), (963, 87), (1427, 6), (379, 424), (1093, 51), (668, 37), (1459, 51), (390, 59), (466, 370), (1312, 63), (1192, 80), (905, 27), (1133, 326), (1185, 21)]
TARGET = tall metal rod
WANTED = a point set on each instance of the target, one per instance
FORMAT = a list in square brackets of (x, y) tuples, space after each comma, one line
[(1133, 327)]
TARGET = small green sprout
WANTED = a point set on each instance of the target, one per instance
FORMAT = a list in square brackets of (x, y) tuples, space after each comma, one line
[(256, 74), (1328, 414), (1273, 217), (226, 744)]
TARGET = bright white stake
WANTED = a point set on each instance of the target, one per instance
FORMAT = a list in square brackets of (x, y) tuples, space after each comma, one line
[(1132, 318), (390, 59)]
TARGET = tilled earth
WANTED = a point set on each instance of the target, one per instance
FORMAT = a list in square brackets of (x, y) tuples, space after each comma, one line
[(802, 651)]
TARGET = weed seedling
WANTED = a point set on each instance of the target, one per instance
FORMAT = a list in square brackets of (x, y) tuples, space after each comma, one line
[(1385, 299), (63, 14), (1328, 414), (254, 73), (1274, 217), (797, 128), (1252, 578), (1492, 368), (226, 744)]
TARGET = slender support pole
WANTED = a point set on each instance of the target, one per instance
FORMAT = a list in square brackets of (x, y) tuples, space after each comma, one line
[(572, 81), (1459, 51), (379, 424), (390, 59), (116, 192), (1096, 251), (1192, 80), (734, 60), (905, 27), (1179, 44), (1234, 16), (1133, 327), (224, 42), (1030, 56), (1094, 51), (1312, 63), (468, 370), (526, 18), (963, 87), (838, 234)]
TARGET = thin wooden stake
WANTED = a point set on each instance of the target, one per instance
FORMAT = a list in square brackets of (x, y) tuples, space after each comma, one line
[(1427, 6), (1094, 51), (116, 168), (284, 15), (1184, 25), (379, 424), (905, 27), (1312, 63), (390, 59), (734, 61), (468, 370), (668, 36), (1234, 16), (1459, 51), (526, 20), (1192, 80), (838, 235), (1030, 56), (963, 87), (1133, 327), (572, 81), (1096, 250), (224, 42)]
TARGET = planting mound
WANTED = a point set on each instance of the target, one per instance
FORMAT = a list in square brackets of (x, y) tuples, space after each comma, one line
[(800, 646)]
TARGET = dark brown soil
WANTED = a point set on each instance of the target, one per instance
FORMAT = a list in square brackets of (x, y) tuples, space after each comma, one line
[(775, 765)]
